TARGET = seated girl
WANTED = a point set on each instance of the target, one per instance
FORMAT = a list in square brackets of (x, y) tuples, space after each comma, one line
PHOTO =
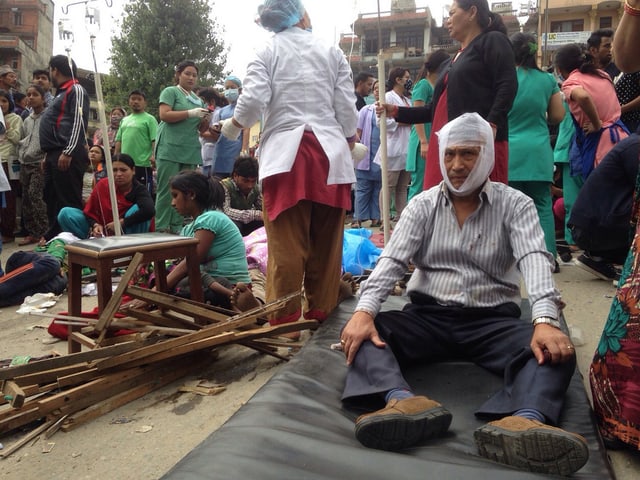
[(135, 205), (221, 251)]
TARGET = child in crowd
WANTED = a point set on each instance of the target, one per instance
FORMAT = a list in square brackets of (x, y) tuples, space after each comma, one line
[(34, 209), (137, 137), (9, 155)]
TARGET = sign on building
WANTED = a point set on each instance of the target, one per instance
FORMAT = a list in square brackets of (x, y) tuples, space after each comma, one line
[(502, 7), (556, 39)]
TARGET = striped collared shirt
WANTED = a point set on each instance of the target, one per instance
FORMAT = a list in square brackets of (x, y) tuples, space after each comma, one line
[(476, 265)]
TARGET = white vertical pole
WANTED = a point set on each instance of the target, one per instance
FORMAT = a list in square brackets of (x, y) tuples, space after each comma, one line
[(382, 82), (105, 138)]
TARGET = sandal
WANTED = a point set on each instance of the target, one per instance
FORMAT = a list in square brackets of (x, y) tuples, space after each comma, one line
[(376, 223), (356, 224)]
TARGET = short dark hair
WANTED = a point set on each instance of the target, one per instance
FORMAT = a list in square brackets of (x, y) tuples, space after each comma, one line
[(596, 37), (40, 71), (246, 166), (61, 63), (137, 92), (362, 77)]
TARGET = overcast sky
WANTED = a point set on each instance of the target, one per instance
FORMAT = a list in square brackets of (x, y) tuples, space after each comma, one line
[(330, 18)]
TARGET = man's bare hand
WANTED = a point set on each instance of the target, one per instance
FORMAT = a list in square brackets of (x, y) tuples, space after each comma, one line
[(358, 329), (550, 344), (64, 162)]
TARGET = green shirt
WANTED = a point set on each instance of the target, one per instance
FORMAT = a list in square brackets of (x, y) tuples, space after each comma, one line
[(421, 91), (179, 142), (530, 153), (227, 256), (136, 133)]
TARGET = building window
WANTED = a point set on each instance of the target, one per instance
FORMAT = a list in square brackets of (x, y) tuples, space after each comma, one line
[(606, 22), (568, 26), (17, 17), (94, 114), (413, 37), (371, 41)]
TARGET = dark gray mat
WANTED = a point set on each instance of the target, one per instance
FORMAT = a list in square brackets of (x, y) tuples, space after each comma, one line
[(295, 426)]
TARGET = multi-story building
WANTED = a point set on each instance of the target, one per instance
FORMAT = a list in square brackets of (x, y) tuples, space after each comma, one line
[(409, 34), (405, 33), (26, 36)]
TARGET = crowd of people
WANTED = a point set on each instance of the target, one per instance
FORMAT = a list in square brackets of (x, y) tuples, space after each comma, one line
[(479, 151)]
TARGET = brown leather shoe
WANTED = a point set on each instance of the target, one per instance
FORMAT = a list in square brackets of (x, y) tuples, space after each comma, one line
[(532, 446), (403, 423)]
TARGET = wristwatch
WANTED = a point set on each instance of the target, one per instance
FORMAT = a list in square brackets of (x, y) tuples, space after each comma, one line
[(546, 320)]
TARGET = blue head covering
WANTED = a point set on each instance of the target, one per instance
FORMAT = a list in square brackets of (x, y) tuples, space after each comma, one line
[(234, 79), (278, 15)]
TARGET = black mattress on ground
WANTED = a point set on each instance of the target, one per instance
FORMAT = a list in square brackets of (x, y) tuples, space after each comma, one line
[(295, 426)]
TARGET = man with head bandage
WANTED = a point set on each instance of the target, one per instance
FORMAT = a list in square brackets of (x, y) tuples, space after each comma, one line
[(470, 240)]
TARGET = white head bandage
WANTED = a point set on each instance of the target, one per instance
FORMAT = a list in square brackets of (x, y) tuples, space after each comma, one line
[(468, 130)]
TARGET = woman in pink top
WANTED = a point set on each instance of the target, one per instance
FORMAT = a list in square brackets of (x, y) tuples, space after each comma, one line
[(594, 106)]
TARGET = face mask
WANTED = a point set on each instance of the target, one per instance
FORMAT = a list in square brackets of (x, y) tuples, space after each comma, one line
[(408, 84), (231, 94)]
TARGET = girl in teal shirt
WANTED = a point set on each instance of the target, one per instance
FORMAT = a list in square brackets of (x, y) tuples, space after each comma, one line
[(221, 250)]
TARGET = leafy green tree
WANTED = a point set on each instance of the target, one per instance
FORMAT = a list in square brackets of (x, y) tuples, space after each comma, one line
[(154, 36)]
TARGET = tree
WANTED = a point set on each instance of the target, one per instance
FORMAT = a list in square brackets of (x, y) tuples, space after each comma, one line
[(155, 35)]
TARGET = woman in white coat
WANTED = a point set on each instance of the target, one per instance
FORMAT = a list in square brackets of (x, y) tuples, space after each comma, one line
[(305, 91), (398, 83)]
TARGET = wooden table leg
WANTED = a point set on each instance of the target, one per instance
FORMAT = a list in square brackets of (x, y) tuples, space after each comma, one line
[(195, 281), (104, 285)]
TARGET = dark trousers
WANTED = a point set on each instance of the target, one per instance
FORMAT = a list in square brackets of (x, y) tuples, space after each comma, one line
[(145, 176), (62, 188), (493, 338), (28, 273)]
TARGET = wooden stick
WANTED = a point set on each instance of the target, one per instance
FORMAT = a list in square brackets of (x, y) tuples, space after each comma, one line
[(27, 438), (205, 333), (71, 359)]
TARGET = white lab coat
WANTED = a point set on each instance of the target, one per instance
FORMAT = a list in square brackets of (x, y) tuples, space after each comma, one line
[(300, 83)]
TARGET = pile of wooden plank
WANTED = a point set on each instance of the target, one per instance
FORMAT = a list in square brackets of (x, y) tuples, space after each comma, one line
[(164, 345)]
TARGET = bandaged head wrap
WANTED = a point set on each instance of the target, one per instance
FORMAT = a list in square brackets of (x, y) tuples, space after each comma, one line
[(468, 130), (278, 15)]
